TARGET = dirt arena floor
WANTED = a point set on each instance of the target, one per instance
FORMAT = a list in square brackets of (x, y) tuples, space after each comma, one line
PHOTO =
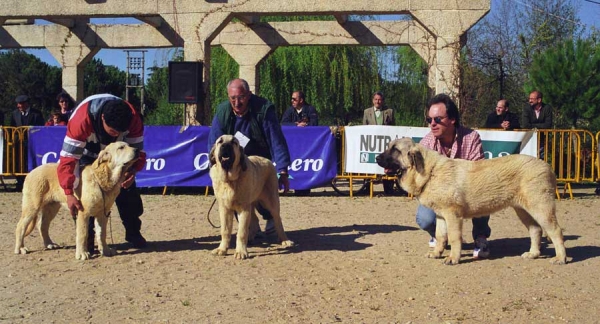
[(356, 260)]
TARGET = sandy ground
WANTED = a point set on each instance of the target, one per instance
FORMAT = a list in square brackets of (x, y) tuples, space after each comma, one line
[(357, 260)]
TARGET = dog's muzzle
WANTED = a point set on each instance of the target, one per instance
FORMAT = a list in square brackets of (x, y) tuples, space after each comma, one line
[(226, 156), (390, 166)]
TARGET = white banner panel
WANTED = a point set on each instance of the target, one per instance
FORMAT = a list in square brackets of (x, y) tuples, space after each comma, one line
[(364, 143)]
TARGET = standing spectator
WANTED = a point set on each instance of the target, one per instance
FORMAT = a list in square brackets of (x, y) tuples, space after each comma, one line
[(379, 114), (66, 104), (538, 115), (56, 119), (502, 118), (98, 121), (252, 119), (452, 140), (300, 113), (24, 115)]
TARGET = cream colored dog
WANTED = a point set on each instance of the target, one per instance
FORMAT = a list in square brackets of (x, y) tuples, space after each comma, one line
[(100, 186), (240, 183), (459, 189)]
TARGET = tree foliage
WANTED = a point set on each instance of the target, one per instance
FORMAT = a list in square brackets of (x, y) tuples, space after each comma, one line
[(22, 73), (500, 49), (568, 76)]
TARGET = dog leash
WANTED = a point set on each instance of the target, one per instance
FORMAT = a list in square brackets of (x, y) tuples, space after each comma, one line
[(208, 214)]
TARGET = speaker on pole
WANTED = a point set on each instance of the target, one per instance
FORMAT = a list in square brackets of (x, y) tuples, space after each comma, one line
[(185, 82)]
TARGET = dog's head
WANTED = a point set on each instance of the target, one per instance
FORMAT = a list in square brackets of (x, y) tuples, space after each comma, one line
[(119, 155), (401, 155), (228, 153)]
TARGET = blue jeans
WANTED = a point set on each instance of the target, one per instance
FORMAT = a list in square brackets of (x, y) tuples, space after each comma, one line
[(426, 221)]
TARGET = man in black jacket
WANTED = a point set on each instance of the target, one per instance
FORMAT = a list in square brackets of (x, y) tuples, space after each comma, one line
[(24, 115), (502, 118)]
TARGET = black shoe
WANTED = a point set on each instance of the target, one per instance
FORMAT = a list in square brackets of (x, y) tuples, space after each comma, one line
[(137, 240)]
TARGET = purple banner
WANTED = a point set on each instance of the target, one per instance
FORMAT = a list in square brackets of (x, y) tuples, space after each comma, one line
[(177, 156)]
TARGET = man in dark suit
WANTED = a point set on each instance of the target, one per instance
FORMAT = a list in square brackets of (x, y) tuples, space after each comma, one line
[(379, 114), (24, 115)]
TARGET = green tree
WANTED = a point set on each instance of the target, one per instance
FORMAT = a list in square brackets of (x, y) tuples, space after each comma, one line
[(23, 73), (99, 78), (568, 77)]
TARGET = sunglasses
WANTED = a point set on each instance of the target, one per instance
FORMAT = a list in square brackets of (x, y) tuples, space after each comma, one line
[(437, 120), (294, 99)]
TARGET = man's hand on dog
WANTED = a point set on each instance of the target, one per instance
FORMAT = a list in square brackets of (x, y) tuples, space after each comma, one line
[(129, 178), (74, 205)]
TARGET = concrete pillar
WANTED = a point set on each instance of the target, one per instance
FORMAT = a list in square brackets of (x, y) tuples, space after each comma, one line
[(249, 58), (197, 30), (72, 53), (447, 26)]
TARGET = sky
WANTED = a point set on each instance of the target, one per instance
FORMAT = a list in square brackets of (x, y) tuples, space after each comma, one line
[(589, 14)]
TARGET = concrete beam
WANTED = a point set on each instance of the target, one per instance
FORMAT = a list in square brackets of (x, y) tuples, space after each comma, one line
[(132, 8), (155, 22), (248, 20), (341, 19)]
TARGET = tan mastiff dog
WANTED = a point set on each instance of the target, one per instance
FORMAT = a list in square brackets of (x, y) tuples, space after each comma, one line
[(459, 189), (100, 186), (240, 182)]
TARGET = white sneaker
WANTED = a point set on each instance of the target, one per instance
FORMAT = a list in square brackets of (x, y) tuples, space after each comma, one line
[(432, 242), (482, 248)]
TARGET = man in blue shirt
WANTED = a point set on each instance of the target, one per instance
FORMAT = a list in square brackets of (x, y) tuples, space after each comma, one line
[(252, 119)]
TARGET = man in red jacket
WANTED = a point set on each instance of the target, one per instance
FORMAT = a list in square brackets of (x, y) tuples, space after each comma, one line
[(98, 121)]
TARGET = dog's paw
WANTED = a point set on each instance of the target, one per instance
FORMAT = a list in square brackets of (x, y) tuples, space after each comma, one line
[(219, 252), (22, 250), (433, 255), (52, 246), (83, 256), (107, 252), (287, 243), (450, 261), (241, 255), (558, 261), (530, 255)]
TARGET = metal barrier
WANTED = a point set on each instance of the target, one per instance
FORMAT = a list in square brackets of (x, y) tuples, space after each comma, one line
[(572, 154), (15, 151)]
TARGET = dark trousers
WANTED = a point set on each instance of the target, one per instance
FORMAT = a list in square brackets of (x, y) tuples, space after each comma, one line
[(129, 204)]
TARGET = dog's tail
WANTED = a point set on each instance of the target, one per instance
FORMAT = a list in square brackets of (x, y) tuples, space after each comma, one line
[(31, 225)]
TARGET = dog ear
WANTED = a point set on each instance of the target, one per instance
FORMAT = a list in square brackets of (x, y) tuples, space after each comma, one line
[(211, 156), (104, 156), (416, 159), (243, 159)]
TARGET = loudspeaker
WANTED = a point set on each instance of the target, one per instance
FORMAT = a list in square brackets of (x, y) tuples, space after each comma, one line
[(185, 82)]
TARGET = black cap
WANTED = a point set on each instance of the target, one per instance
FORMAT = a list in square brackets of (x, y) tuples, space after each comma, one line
[(22, 98)]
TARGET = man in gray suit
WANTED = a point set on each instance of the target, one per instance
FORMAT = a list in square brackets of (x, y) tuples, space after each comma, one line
[(379, 114)]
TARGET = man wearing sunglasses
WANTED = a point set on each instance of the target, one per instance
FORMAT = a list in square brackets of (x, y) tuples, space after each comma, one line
[(300, 113), (449, 138)]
